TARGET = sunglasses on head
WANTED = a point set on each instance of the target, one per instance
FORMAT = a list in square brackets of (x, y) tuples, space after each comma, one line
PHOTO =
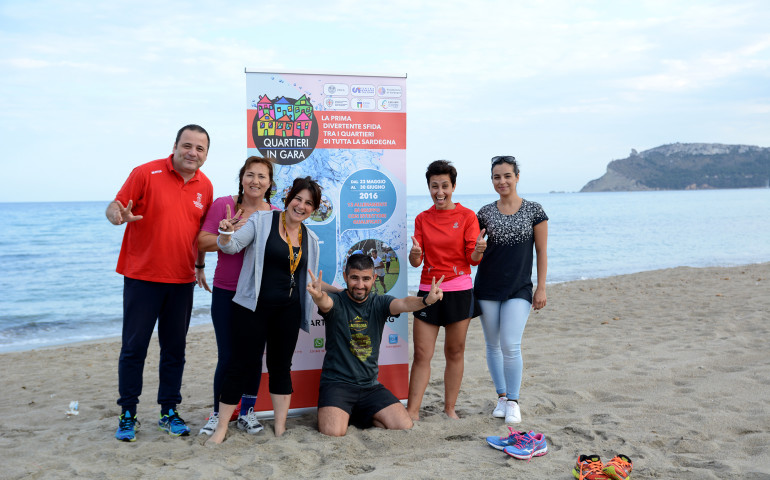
[(503, 158)]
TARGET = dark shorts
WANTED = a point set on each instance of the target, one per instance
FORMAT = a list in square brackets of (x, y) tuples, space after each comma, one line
[(454, 307), (361, 403)]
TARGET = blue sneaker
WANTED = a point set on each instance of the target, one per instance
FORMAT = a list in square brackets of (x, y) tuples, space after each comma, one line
[(500, 443), (528, 446), (173, 424), (127, 427)]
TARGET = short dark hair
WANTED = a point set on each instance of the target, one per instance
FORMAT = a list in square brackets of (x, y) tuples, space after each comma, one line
[(304, 183), (249, 161), (359, 261), (194, 128), (441, 167)]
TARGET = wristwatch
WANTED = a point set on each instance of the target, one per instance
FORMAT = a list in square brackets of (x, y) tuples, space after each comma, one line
[(424, 302)]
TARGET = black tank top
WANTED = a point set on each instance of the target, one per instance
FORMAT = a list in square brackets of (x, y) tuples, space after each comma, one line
[(276, 277)]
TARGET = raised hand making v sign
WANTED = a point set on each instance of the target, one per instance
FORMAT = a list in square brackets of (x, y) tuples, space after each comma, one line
[(117, 214), (229, 224)]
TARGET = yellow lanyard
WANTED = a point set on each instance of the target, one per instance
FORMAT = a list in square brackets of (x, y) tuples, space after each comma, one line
[(293, 260)]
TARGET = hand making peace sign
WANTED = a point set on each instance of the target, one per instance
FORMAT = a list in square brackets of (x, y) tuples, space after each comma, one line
[(314, 286), (435, 293), (231, 224), (123, 214)]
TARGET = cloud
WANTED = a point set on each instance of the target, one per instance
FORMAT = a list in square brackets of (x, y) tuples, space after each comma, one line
[(569, 83)]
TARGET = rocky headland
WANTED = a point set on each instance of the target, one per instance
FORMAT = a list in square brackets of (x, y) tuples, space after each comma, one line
[(687, 166)]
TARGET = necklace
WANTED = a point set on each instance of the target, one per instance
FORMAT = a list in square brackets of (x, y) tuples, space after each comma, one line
[(293, 259)]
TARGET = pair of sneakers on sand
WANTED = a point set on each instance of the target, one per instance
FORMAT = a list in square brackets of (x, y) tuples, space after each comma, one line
[(248, 422), (590, 467), (508, 409), (521, 445), (169, 422)]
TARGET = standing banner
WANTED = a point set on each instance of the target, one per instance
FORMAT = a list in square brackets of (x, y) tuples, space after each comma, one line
[(348, 132)]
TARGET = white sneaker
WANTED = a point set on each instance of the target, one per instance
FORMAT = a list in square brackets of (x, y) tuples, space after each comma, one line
[(249, 423), (499, 411), (211, 424), (512, 412)]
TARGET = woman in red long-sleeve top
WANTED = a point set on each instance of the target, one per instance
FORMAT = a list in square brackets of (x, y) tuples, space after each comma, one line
[(447, 240)]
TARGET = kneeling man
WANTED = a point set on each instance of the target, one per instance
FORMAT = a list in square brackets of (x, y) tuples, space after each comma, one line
[(355, 319)]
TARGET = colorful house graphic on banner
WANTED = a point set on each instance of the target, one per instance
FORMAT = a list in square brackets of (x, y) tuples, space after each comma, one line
[(284, 127), (284, 117), (302, 126), (283, 107), (266, 126), (265, 107), (302, 105)]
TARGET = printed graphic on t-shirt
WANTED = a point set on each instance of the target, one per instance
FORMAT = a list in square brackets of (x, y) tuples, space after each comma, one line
[(198, 201), (360, 343), (511, 229)]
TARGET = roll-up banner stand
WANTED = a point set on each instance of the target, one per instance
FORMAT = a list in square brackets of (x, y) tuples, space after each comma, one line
[(348, 132)]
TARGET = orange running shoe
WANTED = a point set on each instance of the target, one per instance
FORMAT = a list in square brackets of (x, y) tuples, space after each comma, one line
[(619, 468), (589, 467)]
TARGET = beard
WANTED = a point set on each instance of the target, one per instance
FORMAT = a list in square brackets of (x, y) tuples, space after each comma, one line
[(358, 295)]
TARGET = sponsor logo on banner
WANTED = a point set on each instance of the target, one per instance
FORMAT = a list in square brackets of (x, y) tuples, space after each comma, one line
[(389, 91), (335, 89), (318, 343), (363, 90), (285, 130), (332, 103), (389, 104), (393, 338), (362, 104)]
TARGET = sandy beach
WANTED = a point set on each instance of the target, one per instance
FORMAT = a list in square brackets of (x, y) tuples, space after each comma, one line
[(670, 367)]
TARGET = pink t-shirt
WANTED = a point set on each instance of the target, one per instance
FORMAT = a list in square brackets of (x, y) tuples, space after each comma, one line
[(228, 266)]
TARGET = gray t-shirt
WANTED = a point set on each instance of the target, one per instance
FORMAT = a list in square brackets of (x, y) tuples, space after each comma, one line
[(353, 336)]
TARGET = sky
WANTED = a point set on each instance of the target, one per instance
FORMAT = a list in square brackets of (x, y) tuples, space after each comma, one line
[(92, 89)]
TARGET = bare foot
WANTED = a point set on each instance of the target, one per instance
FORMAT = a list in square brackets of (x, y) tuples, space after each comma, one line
[(415, 416), (452, 414), (279, 429), (216, 438)]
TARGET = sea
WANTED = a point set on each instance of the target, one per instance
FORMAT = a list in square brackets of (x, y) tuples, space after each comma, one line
[(57, 260)]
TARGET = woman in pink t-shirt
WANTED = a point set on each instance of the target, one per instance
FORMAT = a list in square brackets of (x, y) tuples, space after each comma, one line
[(254, 188)]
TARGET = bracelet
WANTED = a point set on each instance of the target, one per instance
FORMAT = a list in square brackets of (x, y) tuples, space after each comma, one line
[(222, 232), (200, 266), (424, 302)]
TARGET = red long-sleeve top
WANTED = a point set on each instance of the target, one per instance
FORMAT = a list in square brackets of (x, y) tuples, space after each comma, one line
[(447, 239)]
